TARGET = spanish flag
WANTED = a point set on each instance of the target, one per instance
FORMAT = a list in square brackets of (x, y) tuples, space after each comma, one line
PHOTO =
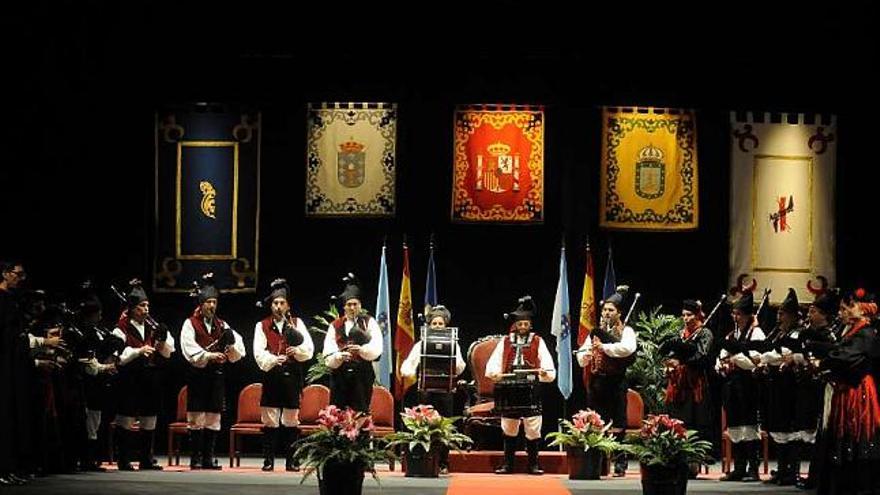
[(588, 310), (403, 338)]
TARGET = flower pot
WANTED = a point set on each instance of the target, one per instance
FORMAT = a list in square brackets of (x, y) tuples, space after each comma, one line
[(341, 478), (584, 465), (421, 464), (664, 480)]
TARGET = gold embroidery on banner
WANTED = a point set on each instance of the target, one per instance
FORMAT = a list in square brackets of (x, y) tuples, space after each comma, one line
[(208, 205)]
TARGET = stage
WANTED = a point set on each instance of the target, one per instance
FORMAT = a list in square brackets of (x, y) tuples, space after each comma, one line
[(249, 479)]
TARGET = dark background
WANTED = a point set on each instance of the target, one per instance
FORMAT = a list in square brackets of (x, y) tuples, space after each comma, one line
[(85, 78)]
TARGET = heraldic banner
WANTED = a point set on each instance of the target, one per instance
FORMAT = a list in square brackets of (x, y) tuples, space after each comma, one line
[(352, 159), (649, 170), (498, 170), (782, 172), (207, 197)]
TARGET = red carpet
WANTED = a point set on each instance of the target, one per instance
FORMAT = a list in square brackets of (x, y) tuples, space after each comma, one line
[(492, 484)]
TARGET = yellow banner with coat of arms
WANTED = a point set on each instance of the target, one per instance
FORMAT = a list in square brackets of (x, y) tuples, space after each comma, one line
[(649, 170)]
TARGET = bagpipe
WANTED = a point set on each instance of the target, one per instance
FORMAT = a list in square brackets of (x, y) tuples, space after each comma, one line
[(684, 345), (733, 346), (602, 364)]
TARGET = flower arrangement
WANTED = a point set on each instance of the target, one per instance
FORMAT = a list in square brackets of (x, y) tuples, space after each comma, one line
[(428, 428), (586, 431), (665, 441), (345, 438)]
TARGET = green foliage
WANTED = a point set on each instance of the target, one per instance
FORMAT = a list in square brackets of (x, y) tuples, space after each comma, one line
[(647, 374), (318, 370), (665, 441), (428, 428)]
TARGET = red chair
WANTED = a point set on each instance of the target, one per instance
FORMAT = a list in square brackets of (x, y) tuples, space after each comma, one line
[(481, 411), (248, 421), (382, 408), (727, 446), (314, 398), (177, 428)]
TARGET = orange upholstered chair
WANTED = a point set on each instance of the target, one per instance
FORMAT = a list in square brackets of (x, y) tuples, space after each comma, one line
[(314, 398), (247, 422), (382, 408), (727, 446), (481, 408), (177, 428), (635, 411)]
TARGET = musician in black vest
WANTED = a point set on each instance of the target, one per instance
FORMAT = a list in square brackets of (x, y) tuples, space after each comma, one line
[(736, 363), (282, 345), (353, 342), (207, 343), (438, 317), (687, 368), (522, 349), (140, 380), (607, 387)]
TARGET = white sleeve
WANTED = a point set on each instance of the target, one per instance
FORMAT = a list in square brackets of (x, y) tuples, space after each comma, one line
[(237, 350), (265, 359), (35, 341), (494, 366), (546, 360), (332, 358), (411, 363), (584, 351), (306, 350), (129, 354), (625, 347), (772, 358), (372, 349), (460, 365), (168, 348), (195, 354)]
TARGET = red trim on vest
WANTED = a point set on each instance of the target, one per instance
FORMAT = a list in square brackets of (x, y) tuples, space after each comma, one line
[(203, 338), (276, 343), (530, 354), (341, 338), (132, 336)]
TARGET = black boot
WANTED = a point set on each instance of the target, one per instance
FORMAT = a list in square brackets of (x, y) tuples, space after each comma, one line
[(532, 448), (620, 462), (754, 457), (147, 462), (739, 463), (793, 465), (509, 455), (197, 443), (90, 463), (781, 464), (125, 441), (208, 460), (290, 463), (269, 435)]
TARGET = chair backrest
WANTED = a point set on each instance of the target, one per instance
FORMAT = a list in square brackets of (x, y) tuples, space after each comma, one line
[(249, 404), (314, 398), (382, 406), (635, 409), (181, 404), (478, 356)]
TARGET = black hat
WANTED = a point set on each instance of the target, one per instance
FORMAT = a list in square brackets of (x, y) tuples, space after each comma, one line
[(442, 312), (205, 289), (352, 289), (617, 298), (278, 288), (89, 303), (525, 310), (828, 302), (693, 306), (136, 293), (745, 303), (790, 303)]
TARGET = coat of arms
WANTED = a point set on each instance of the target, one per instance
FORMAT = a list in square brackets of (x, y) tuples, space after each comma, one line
[(350, 163), (650, 173)]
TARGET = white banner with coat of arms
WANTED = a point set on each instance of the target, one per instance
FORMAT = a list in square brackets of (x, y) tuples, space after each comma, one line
[(782, 171), (351, 159)]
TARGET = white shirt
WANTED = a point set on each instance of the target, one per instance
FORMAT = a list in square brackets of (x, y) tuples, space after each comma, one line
[(494, 368), (129, 354), (266, 360), (624, 348), (369, 351), (196, 355), (741, 360)]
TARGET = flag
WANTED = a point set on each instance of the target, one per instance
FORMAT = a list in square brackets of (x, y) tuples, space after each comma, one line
[(430, 284), (561, 328), (588, 303), (403, 338), (610, 286), (383, 310)]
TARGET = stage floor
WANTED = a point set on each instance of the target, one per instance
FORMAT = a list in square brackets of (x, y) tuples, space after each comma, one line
[(249, 479)]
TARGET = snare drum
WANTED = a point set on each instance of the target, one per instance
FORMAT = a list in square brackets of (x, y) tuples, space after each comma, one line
[(518, 398), (437, 367)]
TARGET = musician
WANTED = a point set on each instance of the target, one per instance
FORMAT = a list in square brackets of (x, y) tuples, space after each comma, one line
[(282, 345), (207, 342), (140, 381), (735, 363), (688, 364), (852, 455), (352, 342), (606, 388), (521, 349), (776, 373), (438, 318)]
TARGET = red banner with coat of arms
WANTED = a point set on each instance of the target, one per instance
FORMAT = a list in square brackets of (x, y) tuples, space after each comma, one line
[(498, 164)]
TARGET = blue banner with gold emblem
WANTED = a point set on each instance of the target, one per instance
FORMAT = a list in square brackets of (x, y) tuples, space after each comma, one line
[(207, 173)]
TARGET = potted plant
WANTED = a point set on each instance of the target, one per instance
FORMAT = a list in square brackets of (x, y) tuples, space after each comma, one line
[(340, 451), (664, 448), (647, 374), (586, 439), (429, 436)]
